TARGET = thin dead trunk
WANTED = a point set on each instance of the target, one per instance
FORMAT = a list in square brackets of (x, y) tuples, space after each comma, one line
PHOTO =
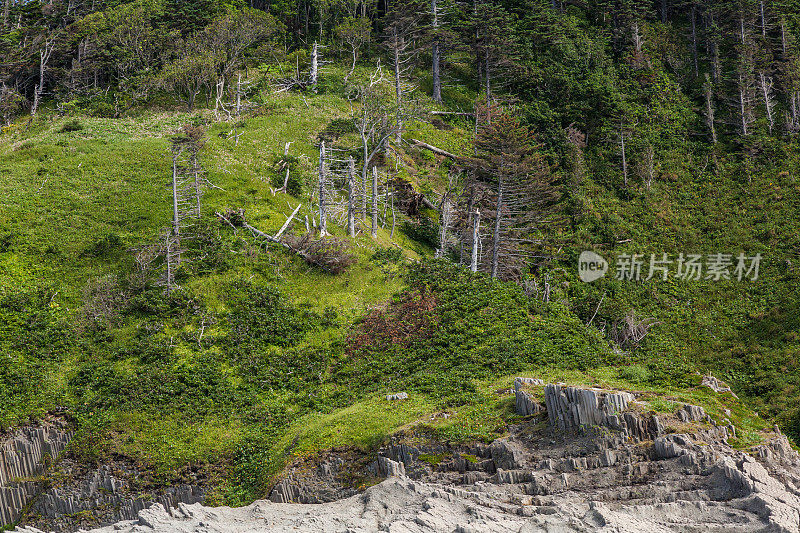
[(398, 87), (487, 68), (374, 202), (437, 82), (44, 58), (649, 162), (364, 166), (175, 210), (288, 221), (716, 66), (314, 66), (352, 67), (476, 224), (322, 221), (624, 158), (742, 30), (710, 109), (497, 226), (769, 101), (286, 178), (351, 207), (637, 38), (743, 101), (198, 181), (694, 40), (445, 225), (783, 37), (239, 95), (173, 240), (391, 201)]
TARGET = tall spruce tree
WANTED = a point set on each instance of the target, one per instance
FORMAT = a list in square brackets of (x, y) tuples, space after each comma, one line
[(519, 190)]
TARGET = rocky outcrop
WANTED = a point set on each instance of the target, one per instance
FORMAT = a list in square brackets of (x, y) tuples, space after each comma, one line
[(38, 486), (397, 396), (524, 403), (572, 407), (602, 464), (691, 413), (593, 483), (716, 385), (78, 496), (24, 456)]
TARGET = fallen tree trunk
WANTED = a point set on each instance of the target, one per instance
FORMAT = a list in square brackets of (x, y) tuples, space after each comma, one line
[(458, 113), (288, 221), (330, 255), (434, 149)]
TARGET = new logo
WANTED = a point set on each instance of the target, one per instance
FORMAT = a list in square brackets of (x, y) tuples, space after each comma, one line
[(591, 266)]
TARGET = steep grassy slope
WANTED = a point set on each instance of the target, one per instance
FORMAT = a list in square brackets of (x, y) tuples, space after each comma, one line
[(261, 358)]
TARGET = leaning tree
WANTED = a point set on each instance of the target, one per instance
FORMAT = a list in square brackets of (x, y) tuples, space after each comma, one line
[(514, 190)]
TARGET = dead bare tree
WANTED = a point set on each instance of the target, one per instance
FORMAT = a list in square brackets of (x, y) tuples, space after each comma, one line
[(476, 225), (314, 72), (45, 53), (436, 53), (743, 102), (647, 166), (323, 230), (630, 331), (145, 258), (399, 41), (708, 91), (765, 88), (375, 121), (356, 33), (374, 227), (693, 16), (188, 184), (351, 207), (744, 78), (447, 212), (285, 163), (624, 156), (330, 254)]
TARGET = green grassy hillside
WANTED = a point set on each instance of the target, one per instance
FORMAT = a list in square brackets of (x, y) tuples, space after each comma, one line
[(259, 357)]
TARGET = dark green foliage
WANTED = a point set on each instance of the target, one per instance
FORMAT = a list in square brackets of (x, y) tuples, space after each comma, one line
[(163, 385), (108, 244), (452, 326), (387, 255), (261, 316), (34, 338), (193, 15), (337, 128), (178, 305), (207, 248), (424, 231), (72, 125), (30, 324)]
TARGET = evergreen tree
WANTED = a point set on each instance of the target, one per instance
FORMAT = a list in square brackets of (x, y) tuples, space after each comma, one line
[(518, 190)]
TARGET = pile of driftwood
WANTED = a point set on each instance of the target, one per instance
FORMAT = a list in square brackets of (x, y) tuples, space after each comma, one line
[(331, 254)]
